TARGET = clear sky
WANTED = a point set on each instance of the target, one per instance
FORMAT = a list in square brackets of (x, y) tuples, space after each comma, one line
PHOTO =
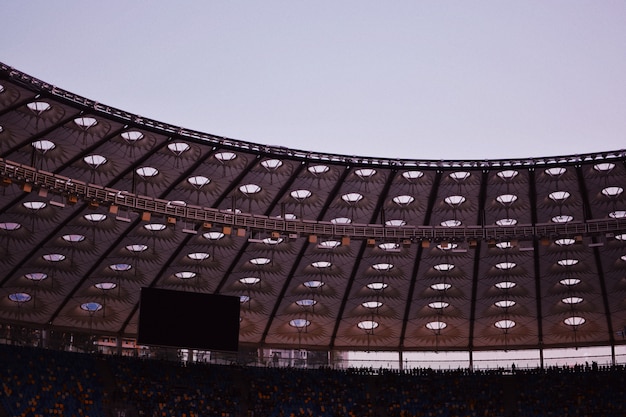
[(400, 79)]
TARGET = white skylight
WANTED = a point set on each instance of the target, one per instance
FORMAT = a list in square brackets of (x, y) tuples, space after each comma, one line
[(155, 227), (249, 189), (313, 284), (574, 321), (365, 172), (73, 238), (451, 223), (438, 305), (445, 246), (199, 256), (318, 169), (136, 248), (36, 276), (506, 265), (507, 174), (556, 171), (321, 264), (43, 145), (382, 266), (120, 267), (567, 262), (436, 325), (94, 161), (105, 286), (95, 217), (352, 198), (147, 172), (460, 175), (569, 282), (504, 324), (225, 156), (389, 246), (441, 286), (54, 257), (306, 302), (85, 122), (604, 166), (250, 280), (271, 164), (38, 106), (213, 235), (198, 181), (177, 148), (10, 226), (572, 300), (505, 285), (562, 218), (403, 200), (395, 223), (504, 245), (367, 325), (300, 195), (132, 136), (20, 297), (377, 286), (504, 303), (91, 307), (454, 200), (506, 199), (260, 261), (412, 175), (565, 241), (329, 244), (443, 267), (612, 191), (618, 214), (185, 274), (559, 196), (506, 222), (299, 323), (34, 205), (371, 304), (341, 220)]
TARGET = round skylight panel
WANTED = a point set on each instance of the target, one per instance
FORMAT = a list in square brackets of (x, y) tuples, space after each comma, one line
[(185, 274), (225, 156), (132, 136), (34, 205), (555, 171), (367, 325), (260, 261), (341, 220), (272, 241), (177, 148), (94, 161), (565, 241), (155, 227), (563, 218), (372, 304), (436, 325), (321, 264), (250, 280), (506, 222), (504, 245), (136, 248), (147, 172), (505, 285), (91, 307), (618, 214), (454, 200), (105, 286), (389, 246), (460, 175), (567, 262), (235, 211), (39, 106), (447, 246), (612, 191), (288, 216), (505, 266), (95, 217), (198, 181), (54, 257), (438, 305), (572, 300), (604, 166), (43, 145), (365, 172), (9, 226), (36, 276), (395, 223), (506, 199), (318, 169), (383, 267), (85, 122), (299, 323), (249, 189), (403, 200), (504, 303), (244, 299), (352, 198), (329, 244), (570, 282), (443, 267), (504, 324), (508, 174), (73, 238), (574, 321), (271, 164), (300, 195), (199, 256), (306, 302), (213, 235), (20, 297), (121, 267), (313, 284), (451, 223), (412, 175), (441, 286), (559, 196), (377, 286)]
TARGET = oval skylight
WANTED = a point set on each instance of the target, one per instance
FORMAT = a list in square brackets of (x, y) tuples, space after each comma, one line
[(506, 199), (382, 266), (95, 217), (34, 205), (147, 172), (321, 264), (318, 169), (288, 216), (367, 325), (120, 267), (438, 305), (559, 196), (272, 241), (371, 304), (569, 282), (36, 276), (329, 244), (341, 220), (136, 248), (365, 172), (105, 286), (91, 307), (198, 181), (572, 300), (54, 257), (250, 280), (389, 246), (313, 284), (225, 156), (73, 238), (567, 262), (612, 191), (436, 325), (177, 148), (441, 286), (618, 214), (155, 227), (213, 235), (412, 175), (299, 323), (504, 245), (377, 286), (556, 171), (505, 285), (395, 223), (506, 222), (300, 194), (38, 106), (306, 302), (85, 122), (20, 297), (451, 223), (403, 200), (199, 256), (504, 303), (460, 175), (506, 265), (185, 275), (249, 189), (621, 236), (574, 321), (132, 136), (94, 161), (244, 299), (504, 324), (447, 246), (43, 145), (565, 241), (10, 226), (352, 198), (271, 164), (604, 166), (507, 174), (563, 218), (454, 200), (260, 261), (443, 267)]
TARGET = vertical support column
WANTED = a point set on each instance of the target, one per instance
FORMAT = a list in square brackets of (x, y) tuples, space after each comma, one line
[(400, 360), (471, 360)]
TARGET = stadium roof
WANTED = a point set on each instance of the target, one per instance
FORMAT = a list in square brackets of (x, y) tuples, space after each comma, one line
[(325, 251)]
